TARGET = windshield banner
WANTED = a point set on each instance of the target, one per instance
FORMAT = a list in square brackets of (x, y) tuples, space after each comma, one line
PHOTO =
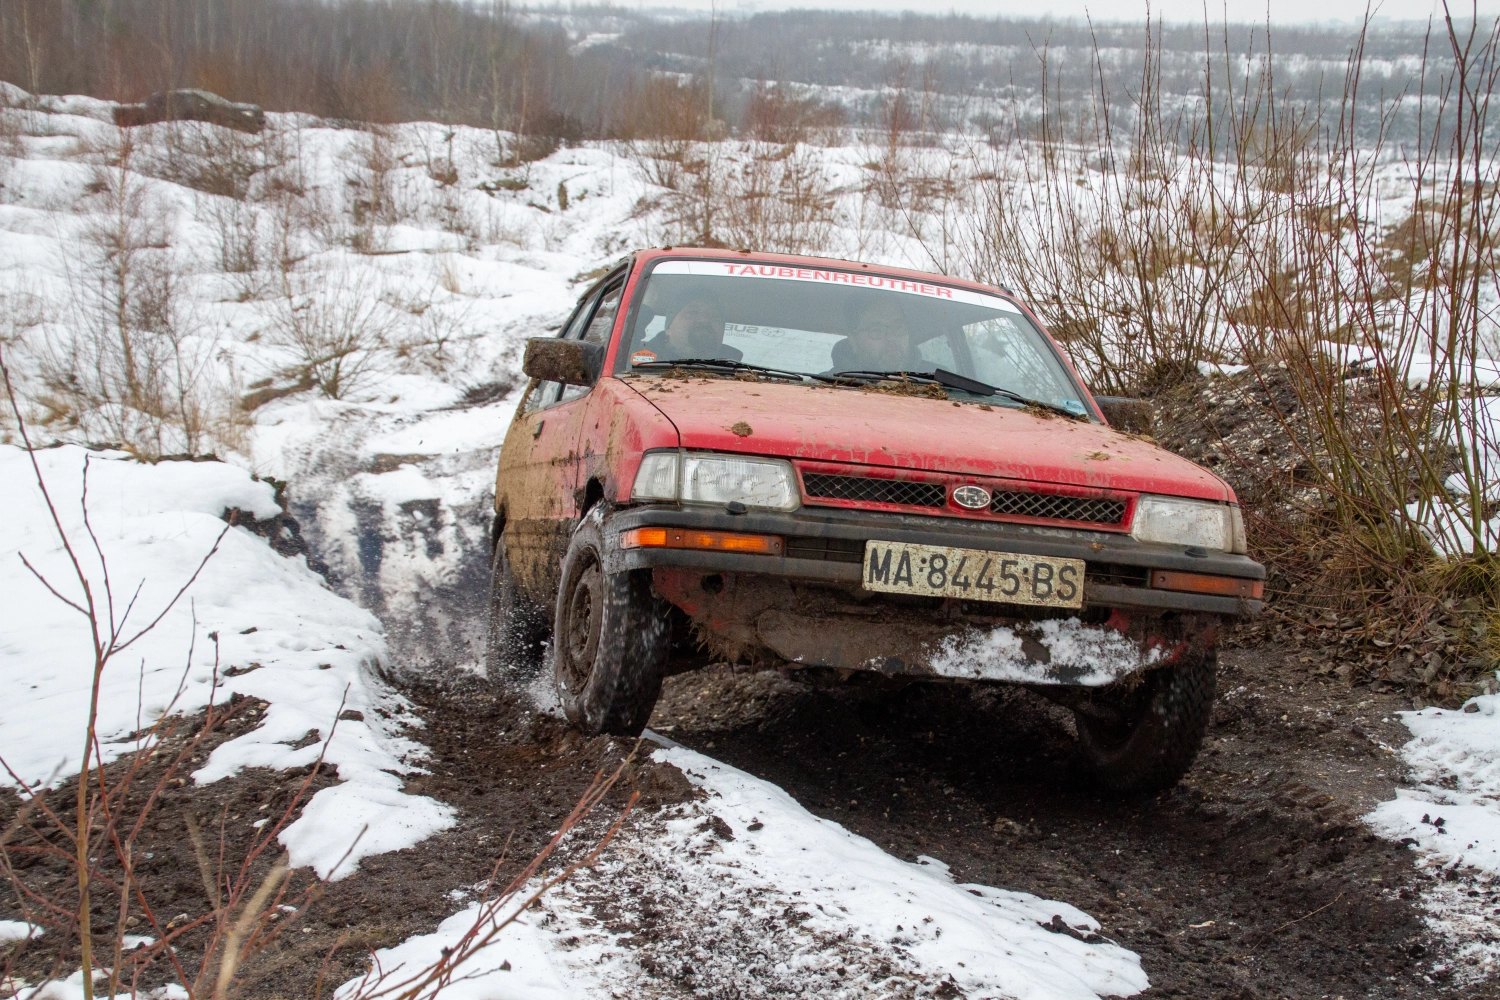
[(830, 276)]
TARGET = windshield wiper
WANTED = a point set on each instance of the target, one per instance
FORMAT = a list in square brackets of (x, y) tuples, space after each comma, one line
[(957, 381), (953, 380), (862, 375), (728, 365)]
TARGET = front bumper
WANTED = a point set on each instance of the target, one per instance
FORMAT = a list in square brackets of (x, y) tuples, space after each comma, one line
[(826, 544)]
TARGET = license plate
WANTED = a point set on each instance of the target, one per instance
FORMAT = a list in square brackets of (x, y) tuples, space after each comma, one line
[(973, 574)]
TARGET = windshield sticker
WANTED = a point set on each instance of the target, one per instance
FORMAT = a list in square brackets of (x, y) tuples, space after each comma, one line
[(642, 357), (861, 279)]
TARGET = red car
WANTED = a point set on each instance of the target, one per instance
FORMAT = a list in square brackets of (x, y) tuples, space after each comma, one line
[(827, 464)]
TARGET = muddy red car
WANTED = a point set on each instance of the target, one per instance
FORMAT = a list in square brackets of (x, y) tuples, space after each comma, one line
[(852, 469)]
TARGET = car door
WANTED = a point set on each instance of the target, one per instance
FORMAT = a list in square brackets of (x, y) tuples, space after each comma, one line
[(539, 462)]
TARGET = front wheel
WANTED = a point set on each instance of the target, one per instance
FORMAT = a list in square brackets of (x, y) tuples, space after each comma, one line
[(611, 636), (1146, 740)]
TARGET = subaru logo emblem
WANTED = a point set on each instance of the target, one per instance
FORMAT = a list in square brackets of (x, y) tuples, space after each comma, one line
[(972, 497)]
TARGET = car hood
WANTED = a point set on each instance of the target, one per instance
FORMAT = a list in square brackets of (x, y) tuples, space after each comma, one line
[(870, 427)]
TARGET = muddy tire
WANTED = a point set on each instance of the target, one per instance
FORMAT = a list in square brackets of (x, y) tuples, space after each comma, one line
[(1147, 740), (612, 636), (518, 628)]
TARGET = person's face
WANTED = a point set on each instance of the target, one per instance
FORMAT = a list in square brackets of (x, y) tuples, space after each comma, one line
[(883, 338), (697, 329)]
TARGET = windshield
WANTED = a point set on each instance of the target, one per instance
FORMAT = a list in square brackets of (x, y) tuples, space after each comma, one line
[(823, 322)]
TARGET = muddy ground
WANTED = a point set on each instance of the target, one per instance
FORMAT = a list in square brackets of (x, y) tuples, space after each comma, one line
[(1252, 879), (512, 775)]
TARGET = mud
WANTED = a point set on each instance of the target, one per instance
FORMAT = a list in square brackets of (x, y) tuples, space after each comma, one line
[(1252, 879)]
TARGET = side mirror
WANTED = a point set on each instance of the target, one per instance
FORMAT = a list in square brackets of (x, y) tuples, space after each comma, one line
[(1134, 416), (571, 362)]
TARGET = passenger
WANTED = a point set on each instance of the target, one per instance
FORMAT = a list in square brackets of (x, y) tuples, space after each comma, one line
[(881, 341), (697, 331)]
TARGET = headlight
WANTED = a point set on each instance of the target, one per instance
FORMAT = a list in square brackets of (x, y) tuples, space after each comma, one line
[(709, 478), (1214, 526), (657, 477)]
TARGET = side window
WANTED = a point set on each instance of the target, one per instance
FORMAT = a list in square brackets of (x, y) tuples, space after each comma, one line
[(546, 393), (597, 331), (604, 317)]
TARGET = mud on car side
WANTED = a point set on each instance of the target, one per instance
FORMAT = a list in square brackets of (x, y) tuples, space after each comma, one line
[(851, 468)]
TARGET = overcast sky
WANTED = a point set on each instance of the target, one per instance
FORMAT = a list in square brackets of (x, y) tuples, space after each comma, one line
[(1282, 11)]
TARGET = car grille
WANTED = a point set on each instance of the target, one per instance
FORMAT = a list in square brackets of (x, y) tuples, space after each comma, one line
[(863, 488), (1016, 503), (1057, 507)]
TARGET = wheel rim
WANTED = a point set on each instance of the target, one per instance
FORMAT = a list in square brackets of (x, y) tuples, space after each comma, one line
[(579, 638)]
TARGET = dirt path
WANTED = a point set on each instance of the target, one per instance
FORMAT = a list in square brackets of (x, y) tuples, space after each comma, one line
[(1254, 878)]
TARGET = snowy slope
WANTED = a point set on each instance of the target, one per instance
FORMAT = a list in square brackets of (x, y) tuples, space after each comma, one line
[(284, 635)]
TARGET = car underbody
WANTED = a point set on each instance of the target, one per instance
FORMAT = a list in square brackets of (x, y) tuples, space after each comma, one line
[(743, 617)]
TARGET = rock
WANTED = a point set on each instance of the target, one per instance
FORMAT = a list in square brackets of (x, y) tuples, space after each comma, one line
[(191, 106)]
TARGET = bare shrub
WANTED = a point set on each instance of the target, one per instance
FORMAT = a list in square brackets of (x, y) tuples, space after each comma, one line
[(660, 160), (1247, 228), (777, 114), (253, 898), (437, 340), (235, 225), (135, 366), (335, 328), (496, 226), (371, 198), (207, 158), (779, 199), (11, 147)]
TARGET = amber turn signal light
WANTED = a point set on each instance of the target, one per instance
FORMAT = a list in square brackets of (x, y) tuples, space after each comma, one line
[(1203, 583), (687, 538)]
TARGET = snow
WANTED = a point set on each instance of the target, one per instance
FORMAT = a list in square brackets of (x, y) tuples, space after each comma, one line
[(797, 904), (1075, 653), (1446, 520), (18, 930), (288, 639), (1451, 818)]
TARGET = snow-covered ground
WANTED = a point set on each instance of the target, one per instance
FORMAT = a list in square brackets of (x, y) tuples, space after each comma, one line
[(1451, 819), (282, 636), (747, 894), (391, 483)]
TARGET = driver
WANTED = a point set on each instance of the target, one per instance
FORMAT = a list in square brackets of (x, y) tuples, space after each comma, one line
[(697, 331), (882, 338)]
